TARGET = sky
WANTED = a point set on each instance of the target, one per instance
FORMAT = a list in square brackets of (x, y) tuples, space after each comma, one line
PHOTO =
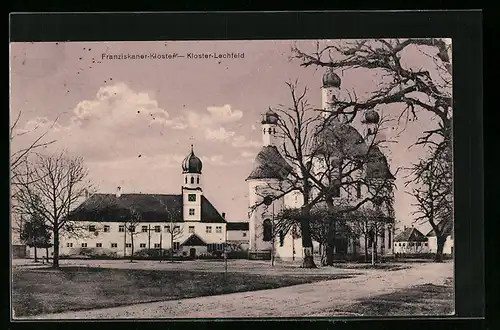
[(133, 120)]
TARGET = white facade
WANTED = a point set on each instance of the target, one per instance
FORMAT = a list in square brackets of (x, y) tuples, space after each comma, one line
[(411, 247), (448, 245), (118, 242)]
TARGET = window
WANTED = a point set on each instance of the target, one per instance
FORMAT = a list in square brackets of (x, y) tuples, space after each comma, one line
[(69, 244), (282, 238), (244, 234), (114, 245), (191, 211), (369, 131), (209, 229), (157, 245), (98, 244), (157, 229), (176, 245), (218, 229), (167, 229), (106, 229), (186, 180), (91, 228), (267, 230), (144, 229), (425, 244), (404, 244), (198, 180), (131, 229), (84, 244), (121, 228), (128, 245), (192, 180), (142, 245), (192, 197), (191, 229), (358, 190), (176, 229)]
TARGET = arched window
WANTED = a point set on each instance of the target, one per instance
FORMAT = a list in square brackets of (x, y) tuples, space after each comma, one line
[(186, 180), (369, 132), (192, 180), (267, 230), (198, 180)]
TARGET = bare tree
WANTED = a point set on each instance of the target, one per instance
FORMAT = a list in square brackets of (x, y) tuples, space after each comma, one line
[(434, 195), (174, 230), (350, 172), (426, 89), (130, 224), (296, 125), (52, 185), (17, 157)]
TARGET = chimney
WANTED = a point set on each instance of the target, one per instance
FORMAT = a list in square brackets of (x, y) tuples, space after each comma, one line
[(224, 215), (118, 192)]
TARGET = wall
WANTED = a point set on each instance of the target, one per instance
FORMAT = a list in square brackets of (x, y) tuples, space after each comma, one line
[(411, 247), (238, 235), (114, 236), (258, 189), (448, 245)]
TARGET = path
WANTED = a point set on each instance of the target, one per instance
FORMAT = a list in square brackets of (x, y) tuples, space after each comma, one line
[(312, 299)]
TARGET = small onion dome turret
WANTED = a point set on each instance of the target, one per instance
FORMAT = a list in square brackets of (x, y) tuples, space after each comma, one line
[(331, 79), (371, 117), (270, 117), (191, 164)]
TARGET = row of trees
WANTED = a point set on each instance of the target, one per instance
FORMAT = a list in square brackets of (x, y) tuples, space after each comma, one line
[(307, 139)]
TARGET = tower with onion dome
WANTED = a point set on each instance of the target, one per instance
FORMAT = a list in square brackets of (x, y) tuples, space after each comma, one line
[(264, 184), (330, 92), (191, 188)]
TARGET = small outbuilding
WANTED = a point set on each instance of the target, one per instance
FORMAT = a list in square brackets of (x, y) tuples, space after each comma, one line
[(410, 241)]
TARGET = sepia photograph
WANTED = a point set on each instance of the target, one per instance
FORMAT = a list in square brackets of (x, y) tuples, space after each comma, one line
[(231, 179)]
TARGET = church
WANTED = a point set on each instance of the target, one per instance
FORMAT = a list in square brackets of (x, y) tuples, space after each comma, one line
[(121, 224), (271, 170)]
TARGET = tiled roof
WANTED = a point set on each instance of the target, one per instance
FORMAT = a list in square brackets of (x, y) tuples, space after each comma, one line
[(410, 235), (194, 240), (150, 207), (377, 166), (269, 164), (447, 230), (339, 138), (237, 226)]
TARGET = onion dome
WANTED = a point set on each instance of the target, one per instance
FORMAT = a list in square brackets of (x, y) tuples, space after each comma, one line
[(371, 117), (331, 79), (191, 164), (270, 117)]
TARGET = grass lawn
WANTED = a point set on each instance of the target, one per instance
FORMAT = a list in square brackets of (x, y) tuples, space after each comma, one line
[(427, 299), (45, 291)]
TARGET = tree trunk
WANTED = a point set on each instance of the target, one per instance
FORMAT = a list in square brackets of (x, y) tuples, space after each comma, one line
[(132, 247), (440, 246), (35, 253), (47, 254), (366, 248), (172, 247), (55, 258), (375, 250), (307, 246)]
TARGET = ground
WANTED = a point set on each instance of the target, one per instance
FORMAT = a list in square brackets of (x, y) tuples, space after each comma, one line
[(395, 289)]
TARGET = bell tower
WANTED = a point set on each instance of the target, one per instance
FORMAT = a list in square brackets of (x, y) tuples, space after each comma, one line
[(191, 188)]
